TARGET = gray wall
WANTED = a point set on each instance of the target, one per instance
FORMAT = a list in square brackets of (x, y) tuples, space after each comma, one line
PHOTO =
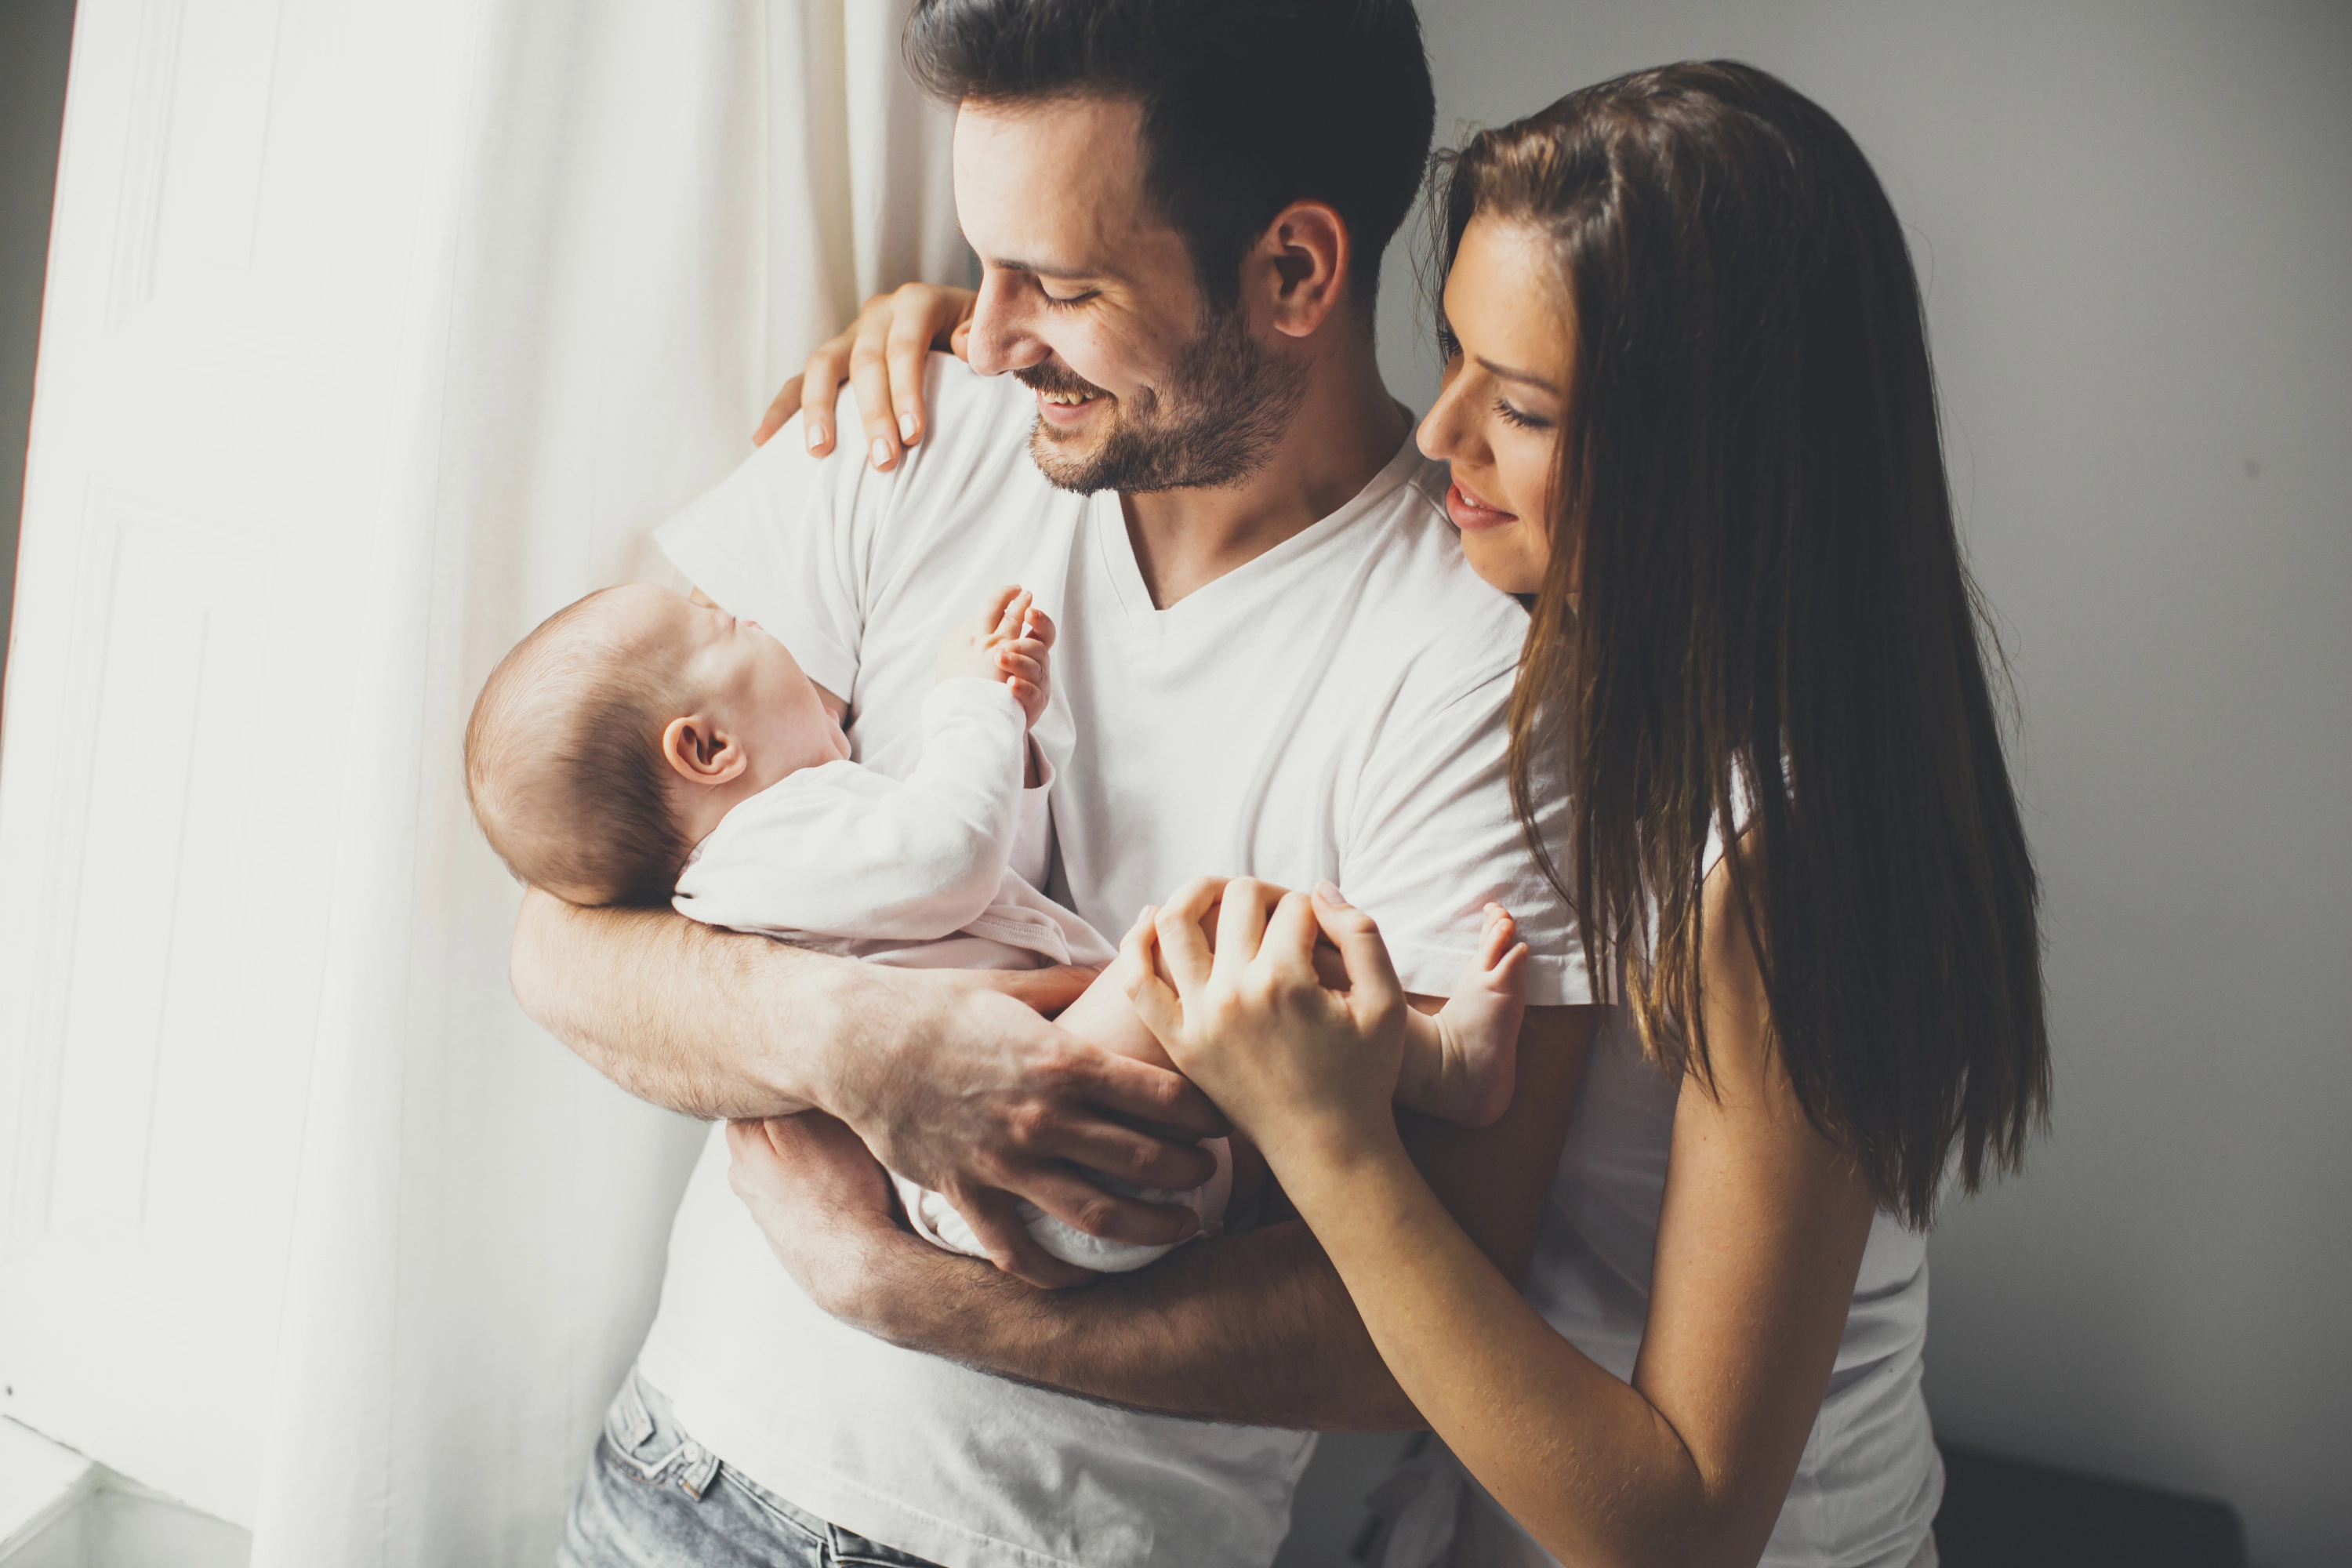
[(2134, 220), (33, 39)]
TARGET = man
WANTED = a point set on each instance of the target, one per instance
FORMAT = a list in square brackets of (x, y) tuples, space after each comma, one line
[(1276, 664)]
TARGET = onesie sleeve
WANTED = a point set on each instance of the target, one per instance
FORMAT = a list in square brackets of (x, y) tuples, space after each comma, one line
[(844, 852), (1433, 838)]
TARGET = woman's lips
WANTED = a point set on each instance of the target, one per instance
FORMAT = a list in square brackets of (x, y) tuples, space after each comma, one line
[(1470, 512)]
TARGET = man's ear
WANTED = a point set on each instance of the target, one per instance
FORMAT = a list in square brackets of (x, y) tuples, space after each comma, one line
[(702, 753), (1301, 262)]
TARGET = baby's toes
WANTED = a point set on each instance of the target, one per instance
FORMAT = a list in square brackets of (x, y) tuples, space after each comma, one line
[(1501, 932)]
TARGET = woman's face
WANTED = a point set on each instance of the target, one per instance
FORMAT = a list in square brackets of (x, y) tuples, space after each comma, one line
[(1506, 398)]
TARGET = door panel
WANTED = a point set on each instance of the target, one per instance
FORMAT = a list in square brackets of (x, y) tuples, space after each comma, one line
[(172, 770)]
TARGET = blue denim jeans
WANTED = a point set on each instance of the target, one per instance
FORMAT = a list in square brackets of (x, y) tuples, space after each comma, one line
[(655, 1498)]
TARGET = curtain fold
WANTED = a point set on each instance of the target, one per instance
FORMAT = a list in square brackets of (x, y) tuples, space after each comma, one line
[(636, 220)]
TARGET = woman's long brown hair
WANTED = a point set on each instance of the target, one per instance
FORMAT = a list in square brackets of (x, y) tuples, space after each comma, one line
[(1772, 638)]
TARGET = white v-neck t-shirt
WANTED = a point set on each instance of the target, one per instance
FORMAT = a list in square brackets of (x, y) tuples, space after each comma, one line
[(1334, 707)]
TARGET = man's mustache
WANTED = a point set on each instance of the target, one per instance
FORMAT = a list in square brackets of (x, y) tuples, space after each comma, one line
[(1054, 378)]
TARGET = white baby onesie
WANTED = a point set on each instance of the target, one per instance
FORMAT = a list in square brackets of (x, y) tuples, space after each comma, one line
[(918, 873)]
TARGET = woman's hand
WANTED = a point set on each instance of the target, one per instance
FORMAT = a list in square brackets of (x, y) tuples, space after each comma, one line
[(1304, 1069), (881, 356)]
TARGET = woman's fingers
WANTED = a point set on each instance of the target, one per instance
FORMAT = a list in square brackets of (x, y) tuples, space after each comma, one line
[(869, 377), (900, 328), (1241, 925), (881, 357), (1156, 1002), (820, 391), (1371, 979), (787, 404), (910, 338), (1292, 933), (1183, 945)]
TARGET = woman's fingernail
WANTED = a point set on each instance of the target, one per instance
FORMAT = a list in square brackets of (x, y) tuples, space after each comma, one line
[(815, 437), (906, 427), (881, 452)]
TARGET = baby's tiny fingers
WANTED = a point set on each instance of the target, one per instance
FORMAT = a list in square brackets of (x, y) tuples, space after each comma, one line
[(1016, 609)]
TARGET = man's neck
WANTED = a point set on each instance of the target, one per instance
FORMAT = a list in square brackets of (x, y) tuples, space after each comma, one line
[(1346, 430)]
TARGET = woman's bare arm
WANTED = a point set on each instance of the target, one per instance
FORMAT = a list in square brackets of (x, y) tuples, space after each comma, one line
[(1760, 1241)]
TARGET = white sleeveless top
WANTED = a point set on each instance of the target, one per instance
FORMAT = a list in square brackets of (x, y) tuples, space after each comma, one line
[(1867, 1487)]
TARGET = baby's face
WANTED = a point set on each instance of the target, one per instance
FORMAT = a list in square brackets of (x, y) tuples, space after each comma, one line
[(747, 682)]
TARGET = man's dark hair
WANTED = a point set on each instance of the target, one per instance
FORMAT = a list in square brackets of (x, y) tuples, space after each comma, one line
[(1248, 105)]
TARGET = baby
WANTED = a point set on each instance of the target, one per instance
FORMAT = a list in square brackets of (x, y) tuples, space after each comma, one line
[(641, 749)]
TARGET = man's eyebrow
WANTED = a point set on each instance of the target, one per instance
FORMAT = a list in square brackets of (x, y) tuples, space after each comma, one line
[(1047, 270), (1505, 372)]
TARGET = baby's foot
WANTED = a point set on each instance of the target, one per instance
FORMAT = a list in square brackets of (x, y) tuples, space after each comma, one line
[(1478, 1027)]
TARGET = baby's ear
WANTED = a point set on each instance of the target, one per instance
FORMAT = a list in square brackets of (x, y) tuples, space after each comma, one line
[(700, 754)]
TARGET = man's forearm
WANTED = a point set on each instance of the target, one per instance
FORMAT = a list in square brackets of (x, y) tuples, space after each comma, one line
[(1167, 1340), (681, 1013), (1253, 1328)]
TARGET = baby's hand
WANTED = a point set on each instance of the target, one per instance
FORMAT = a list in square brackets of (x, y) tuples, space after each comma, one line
[(1010, 642)]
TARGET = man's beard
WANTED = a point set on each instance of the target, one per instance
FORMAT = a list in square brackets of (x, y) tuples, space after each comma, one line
[(1223, 405)]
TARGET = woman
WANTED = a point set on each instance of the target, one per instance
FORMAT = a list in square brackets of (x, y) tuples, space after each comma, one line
[(1688, 410)]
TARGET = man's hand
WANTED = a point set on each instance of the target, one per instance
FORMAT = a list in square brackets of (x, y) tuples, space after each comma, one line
[(1254, 1328), (881, 356), (993, 1103), (949, 1076), (822, 1200), (827, 1209)]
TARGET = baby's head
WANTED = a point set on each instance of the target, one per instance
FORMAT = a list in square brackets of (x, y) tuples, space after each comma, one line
[(614, 738)]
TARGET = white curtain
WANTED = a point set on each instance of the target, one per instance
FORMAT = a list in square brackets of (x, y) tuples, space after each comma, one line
[(636, 217)]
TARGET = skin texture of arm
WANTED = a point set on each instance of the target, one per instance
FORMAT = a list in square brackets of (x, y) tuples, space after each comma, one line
[(1760, 1242), (1254, 1328)]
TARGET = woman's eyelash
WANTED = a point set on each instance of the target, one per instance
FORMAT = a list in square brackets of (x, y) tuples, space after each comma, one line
[(1054, 302), (1524, 421)]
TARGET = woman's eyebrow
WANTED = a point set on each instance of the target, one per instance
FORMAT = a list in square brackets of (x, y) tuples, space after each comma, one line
[(1505, 372)]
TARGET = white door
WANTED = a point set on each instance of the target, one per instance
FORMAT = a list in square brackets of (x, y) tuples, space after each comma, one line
[(374, 333), (172, 752)]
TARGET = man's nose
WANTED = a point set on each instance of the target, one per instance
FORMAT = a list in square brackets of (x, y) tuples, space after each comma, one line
[(1002, 338)]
